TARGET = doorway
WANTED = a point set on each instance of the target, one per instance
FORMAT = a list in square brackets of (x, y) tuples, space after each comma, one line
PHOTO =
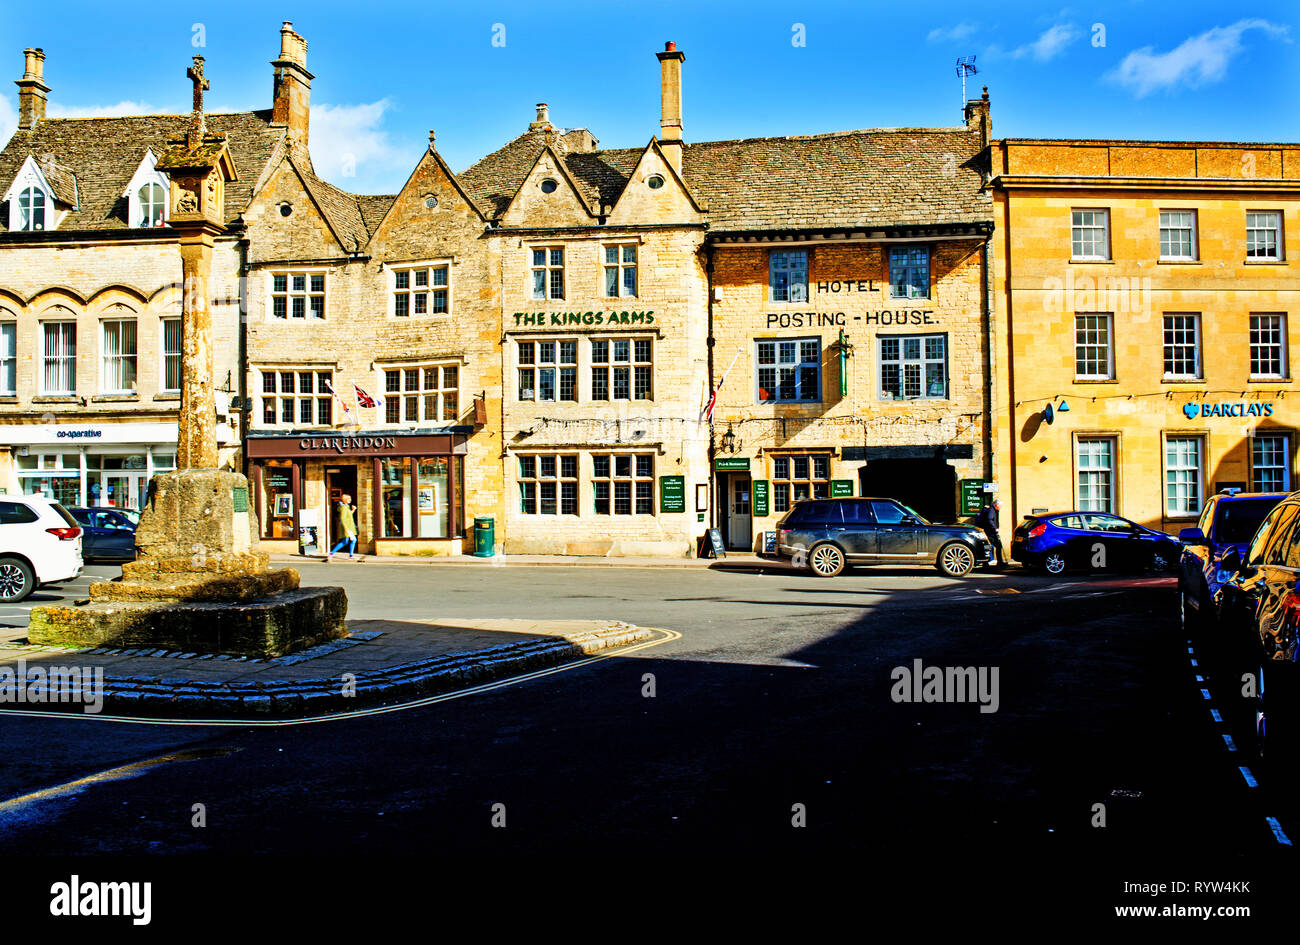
[(927, 485), (339, 481), (736, 488)]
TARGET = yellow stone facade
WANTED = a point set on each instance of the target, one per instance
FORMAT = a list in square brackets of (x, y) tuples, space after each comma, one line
[(1172, 437)]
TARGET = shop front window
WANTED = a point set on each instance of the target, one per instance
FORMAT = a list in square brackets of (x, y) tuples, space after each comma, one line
[(277, 507), (432, 508), (396, 512), (56, 476)]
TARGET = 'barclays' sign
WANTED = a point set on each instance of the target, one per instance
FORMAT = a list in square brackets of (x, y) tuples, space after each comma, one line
[(1230, 409)]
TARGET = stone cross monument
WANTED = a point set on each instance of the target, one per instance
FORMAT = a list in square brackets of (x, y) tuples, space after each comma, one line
[(199, 583)]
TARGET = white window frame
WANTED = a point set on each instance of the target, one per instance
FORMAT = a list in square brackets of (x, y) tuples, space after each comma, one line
[(1198, 468), (296, 396), (795, 367), (119, 361), (548, 268), (30, 181), (146, 174), (399, 400), (1281, 345), (923, 362), (430, 289), (620, 268), (635, 481), (1284, 465), (635, 366), (1106, 474), (536, 366), (1193, 248), (290, 294), (64, 359), (1167, 346), (1076, 226), (558, 481), (8, 358), (164, 354), (1276, 229), (1091, 345)]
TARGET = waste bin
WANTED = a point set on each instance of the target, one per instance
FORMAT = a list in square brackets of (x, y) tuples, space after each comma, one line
[(485, 534)]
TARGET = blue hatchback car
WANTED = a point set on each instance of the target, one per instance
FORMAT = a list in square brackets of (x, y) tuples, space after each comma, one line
[(1229, 520), (1088, 541)]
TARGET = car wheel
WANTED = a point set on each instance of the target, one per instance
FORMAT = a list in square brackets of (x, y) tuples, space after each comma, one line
[(1054, 562), (16, 580), (826, 560), (955, 559)]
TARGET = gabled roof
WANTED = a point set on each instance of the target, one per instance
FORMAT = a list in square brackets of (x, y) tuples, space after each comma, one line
[(883, 176), (57, 180), (95, 159), (341, 210)]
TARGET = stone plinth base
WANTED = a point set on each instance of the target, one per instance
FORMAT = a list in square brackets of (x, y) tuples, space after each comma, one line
[(196, 586), (271, 626)]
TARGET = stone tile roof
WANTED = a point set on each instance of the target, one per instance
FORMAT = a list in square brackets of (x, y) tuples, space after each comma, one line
[(881, 177), (373, 207), (341, 209), (96, 157)]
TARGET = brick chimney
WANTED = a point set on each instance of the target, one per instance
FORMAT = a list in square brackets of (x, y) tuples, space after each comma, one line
[(670, 96), (291, 102), (543, 122), (32, 89), (978, 117)]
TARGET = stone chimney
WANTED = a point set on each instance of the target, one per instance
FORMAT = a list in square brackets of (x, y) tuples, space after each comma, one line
[(32, 89), (543, 122), (978, 117), (670, 95), (291, 101)]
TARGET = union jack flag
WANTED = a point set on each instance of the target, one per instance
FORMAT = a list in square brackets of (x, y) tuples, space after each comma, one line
[(365, 400)]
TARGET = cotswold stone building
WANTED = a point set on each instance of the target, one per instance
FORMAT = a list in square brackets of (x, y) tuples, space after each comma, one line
[(1144, 293), (90, 297)]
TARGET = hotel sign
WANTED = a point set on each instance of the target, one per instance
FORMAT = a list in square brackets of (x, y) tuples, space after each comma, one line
[(571, 319)]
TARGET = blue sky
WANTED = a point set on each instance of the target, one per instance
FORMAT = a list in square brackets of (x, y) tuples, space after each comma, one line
[(388, 72)]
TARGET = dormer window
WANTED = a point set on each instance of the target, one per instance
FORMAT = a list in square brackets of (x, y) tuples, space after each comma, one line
[(31, 208), (153, 204), (147, 194)]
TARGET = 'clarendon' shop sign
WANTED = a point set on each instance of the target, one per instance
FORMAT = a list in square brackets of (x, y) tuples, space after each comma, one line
[(1230, 409)]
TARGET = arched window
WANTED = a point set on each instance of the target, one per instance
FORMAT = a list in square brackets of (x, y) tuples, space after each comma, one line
[(31, 208), (153, 205)]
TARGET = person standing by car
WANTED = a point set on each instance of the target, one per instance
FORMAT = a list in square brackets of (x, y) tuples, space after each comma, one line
[(346, 512), (988, 521)]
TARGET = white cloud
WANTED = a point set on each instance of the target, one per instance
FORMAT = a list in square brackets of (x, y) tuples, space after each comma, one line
[(8, 121), (951, 34), (350, 149), (56, 110), (1049, 44), (1194, 62)]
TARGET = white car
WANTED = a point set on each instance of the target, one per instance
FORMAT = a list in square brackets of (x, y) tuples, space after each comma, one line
[(40, 543)]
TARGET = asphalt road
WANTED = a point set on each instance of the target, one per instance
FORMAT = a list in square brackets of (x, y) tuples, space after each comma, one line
[(774, 704)]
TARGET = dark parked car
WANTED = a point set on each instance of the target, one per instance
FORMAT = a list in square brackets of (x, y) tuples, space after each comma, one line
[(1229, 521), (105, 533), (831, 534), (1063, 541), (1259, 615)]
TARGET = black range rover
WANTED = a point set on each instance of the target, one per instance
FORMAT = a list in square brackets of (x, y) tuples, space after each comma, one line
[(831, 534)]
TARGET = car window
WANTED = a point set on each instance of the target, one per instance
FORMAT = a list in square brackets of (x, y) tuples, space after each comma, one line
[(1239, 519), (888, 513), (1107, 523), (1255, 553), (1275, 550), (857, 513), (15, 513), (1293, 549), (63, 513), (83, 516), (1069, 521), (1207, 515)]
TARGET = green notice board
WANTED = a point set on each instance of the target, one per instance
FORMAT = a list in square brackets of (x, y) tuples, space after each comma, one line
[(672, 493), (972, 496), (841, 488), (731, 464), (760, 498)]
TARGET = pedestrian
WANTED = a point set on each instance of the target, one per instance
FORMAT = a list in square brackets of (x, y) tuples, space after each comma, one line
[(988, 521), (347, 516)]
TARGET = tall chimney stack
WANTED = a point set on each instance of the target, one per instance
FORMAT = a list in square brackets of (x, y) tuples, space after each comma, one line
[(670, 95), (978, 117), (291, 102), (32, 90)]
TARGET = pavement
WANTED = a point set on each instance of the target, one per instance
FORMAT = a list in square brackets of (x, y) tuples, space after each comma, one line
[(380, 661), (731, 559)]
